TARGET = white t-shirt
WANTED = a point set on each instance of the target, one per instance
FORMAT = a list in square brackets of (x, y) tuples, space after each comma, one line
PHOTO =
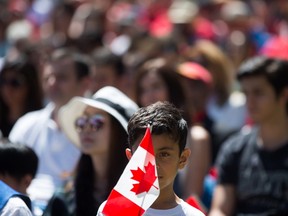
[(182, 209), (15, 207)]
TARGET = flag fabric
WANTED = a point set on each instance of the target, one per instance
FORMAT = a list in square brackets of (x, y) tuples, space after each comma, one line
[(138, 186)]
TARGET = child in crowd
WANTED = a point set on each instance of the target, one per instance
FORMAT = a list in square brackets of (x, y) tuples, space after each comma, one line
[(169, 133), (18, 165)]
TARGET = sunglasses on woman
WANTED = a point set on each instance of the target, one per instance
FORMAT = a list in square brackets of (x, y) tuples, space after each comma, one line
[(94, 122)]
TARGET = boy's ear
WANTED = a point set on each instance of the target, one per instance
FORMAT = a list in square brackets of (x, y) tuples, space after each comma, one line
[(128, 153), (184, 158), (26, 181)]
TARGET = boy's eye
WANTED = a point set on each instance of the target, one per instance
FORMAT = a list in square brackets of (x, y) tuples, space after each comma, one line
[(163, 154)]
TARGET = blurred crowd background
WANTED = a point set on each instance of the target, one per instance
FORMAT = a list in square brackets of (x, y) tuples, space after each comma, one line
[(193, 46), (138, 30)]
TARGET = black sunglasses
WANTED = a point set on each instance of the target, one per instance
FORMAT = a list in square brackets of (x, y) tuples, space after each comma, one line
[(15, 83), (94, 123)]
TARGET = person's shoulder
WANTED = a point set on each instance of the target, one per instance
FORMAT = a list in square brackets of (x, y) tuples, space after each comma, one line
[(29, 121), (190, 210), (36, 115), (15, 207), (239, 140)]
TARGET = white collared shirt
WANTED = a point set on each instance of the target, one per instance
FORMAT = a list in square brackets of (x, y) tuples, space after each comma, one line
[(57, 155)]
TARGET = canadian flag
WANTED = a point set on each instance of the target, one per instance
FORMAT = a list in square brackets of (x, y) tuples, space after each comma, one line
[(138, 186)]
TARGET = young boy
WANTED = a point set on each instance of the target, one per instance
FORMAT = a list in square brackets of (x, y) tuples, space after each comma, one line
[(253, 166), (18, 166), (169, 133)]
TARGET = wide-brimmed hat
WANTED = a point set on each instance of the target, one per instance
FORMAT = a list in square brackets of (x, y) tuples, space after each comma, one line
[(108, 99)]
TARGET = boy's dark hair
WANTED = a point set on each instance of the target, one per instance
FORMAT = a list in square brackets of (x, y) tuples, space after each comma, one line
[(164, 118), (275, 72), (17, 160)]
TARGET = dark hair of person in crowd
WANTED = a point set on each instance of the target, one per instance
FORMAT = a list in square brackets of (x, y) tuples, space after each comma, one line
[(167, 73), (17, 161), (210, 56), (274, 71), (20, 89), (104, 57), (82, 62), (164, 118), (87, 30), (85, 179)]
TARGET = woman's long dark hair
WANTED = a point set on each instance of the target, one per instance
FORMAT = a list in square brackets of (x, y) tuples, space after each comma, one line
[(34, 101), (171, 79), (86, 204)]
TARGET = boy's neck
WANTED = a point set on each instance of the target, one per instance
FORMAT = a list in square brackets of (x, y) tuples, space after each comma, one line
[(166, 201)]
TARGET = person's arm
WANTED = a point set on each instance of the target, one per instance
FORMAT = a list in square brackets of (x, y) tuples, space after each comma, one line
[(223, 200), (224, 195)]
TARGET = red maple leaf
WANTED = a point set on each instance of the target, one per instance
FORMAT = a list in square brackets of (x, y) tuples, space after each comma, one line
[(145, 179)]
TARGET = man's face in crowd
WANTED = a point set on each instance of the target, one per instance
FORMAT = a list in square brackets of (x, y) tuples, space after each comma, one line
[(60, 81), (261, 100)]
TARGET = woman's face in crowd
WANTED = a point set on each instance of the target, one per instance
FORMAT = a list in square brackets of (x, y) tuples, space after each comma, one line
[(13, 88), (152, 89), (94, 131)]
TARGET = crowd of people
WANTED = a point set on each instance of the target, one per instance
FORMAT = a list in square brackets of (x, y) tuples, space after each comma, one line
[(73, 72)]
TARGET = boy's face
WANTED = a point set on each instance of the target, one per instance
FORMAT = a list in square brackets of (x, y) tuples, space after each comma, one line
[(261, 100), (168, 160)]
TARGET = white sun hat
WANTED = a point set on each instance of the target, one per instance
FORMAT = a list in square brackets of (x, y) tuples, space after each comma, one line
[(108, 99)]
